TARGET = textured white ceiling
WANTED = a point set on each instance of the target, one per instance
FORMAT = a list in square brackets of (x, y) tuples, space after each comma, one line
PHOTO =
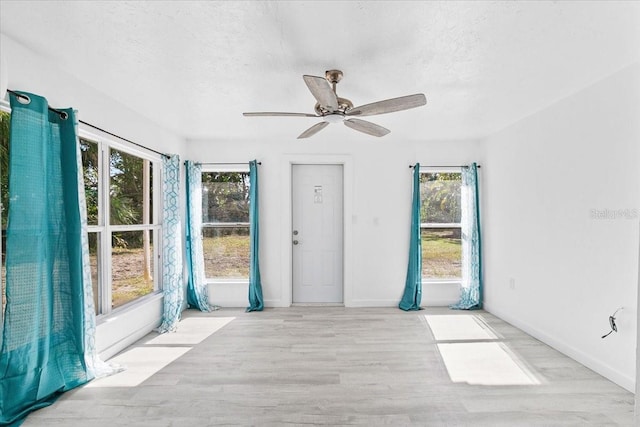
[(194, 66)]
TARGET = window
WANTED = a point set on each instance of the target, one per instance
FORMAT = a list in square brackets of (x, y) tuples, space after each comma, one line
[(123, 256), (123, 224), (225, 225), (440, 227)]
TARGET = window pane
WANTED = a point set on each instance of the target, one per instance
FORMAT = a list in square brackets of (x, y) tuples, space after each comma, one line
[(226, 252), (90, 166), (149, 207), (441, 253), (225, 197), (94, 261), (440, 197), (129, 189), (131, 266)]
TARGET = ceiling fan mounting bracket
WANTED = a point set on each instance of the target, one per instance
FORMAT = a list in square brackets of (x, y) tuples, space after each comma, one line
[(333, 76)]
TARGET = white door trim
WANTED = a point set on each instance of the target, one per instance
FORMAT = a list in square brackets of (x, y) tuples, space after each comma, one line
[(286, 225)]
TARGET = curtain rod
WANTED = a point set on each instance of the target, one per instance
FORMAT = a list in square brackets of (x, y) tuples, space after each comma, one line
[(124, 139), (223, 163), (443, 167), (63, 115)]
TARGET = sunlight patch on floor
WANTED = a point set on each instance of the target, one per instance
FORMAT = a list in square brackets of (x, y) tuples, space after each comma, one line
[(140, 364), (484, 363), (459, 327), (146, 358), (191, 331), (473, 353)]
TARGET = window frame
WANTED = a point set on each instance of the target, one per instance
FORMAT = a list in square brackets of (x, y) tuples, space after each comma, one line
[(214, 168), (440, 225), (105, 229)]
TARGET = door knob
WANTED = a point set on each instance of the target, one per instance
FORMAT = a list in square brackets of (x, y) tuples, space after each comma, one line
[(295, 242)]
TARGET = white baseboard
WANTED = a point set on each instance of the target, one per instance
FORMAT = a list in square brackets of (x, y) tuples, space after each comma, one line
[(595, 365), (371, 303), (394, 303), (439, 303), (229, 303)]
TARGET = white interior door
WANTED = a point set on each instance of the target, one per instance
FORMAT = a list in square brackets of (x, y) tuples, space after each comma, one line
[(316, 236)]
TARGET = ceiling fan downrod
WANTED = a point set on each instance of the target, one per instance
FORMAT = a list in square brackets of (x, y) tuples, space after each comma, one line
[(344, 104)]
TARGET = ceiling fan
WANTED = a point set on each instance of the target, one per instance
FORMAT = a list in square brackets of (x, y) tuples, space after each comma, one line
[(331, 108)]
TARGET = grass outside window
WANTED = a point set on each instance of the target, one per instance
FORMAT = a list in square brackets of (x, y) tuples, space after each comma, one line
[(226, 252), (441, 253)]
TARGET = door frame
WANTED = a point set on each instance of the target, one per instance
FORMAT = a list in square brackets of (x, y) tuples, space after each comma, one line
[(287, 220)]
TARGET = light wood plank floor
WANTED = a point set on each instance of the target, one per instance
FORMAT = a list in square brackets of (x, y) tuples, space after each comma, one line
[(343, 366)]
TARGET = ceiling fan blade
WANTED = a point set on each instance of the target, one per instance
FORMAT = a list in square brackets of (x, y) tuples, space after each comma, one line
[(389, 105), (278, 114), (313, 130), (321, 90), (366, 127)]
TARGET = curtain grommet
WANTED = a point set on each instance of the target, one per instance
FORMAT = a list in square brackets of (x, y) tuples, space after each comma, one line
[(64, 115), (23, 99)]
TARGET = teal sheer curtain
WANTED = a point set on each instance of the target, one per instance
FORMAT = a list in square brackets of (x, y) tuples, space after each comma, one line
[(43, 336), (96, 367), (255, 285), (197, 292), (413, 285), (172, 288), (471, 291)]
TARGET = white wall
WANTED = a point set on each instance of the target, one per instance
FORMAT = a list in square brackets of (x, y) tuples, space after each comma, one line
[(637, 389), (543, 178), (32, 72), (377, 209)]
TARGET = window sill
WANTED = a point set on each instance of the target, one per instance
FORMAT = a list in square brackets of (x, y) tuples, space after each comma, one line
[(442, 281), (133, 305)]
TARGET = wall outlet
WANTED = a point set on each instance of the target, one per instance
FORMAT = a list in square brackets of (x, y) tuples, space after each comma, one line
[(512, 283)]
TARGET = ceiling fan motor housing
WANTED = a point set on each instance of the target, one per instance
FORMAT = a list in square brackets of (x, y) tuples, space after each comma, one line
[(344, 105)]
